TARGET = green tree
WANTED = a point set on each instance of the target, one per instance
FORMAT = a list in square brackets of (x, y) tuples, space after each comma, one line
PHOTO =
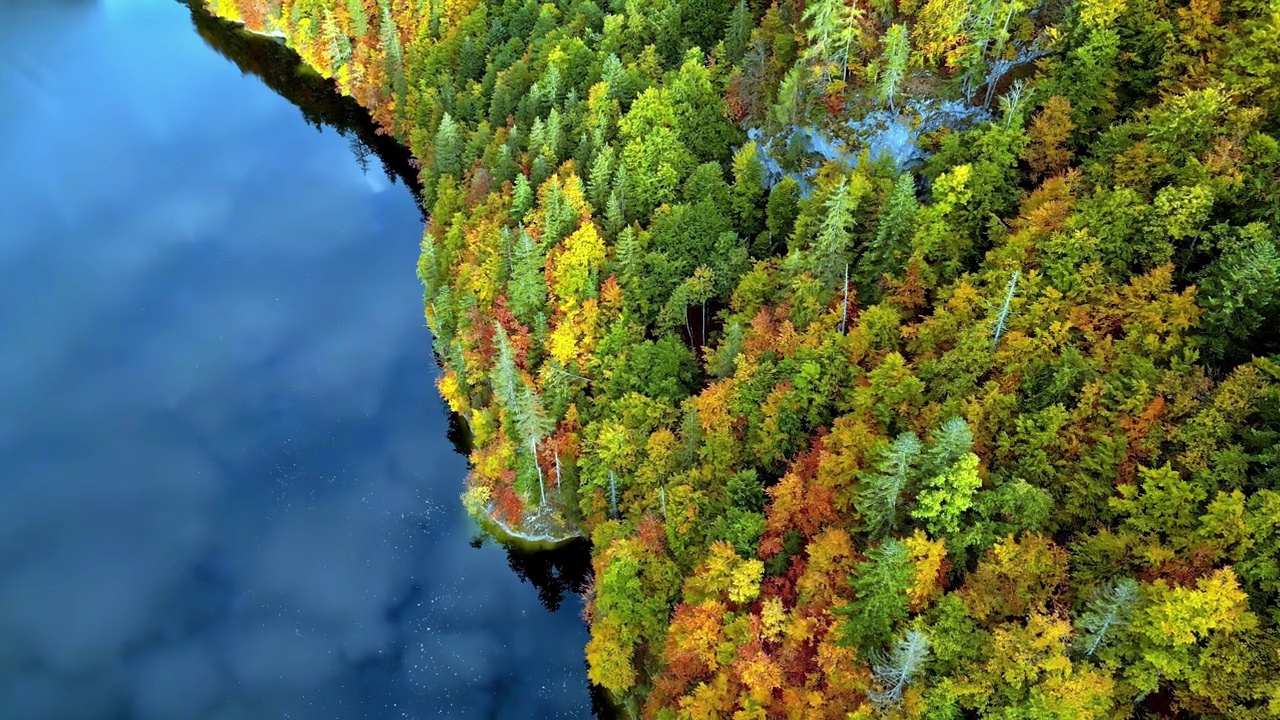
[(880, 585), (882, 490), (888, 250), (528, 288), (896, 50)]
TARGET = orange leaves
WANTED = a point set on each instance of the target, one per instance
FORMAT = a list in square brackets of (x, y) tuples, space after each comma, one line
[(712, 405), (800, 505), (510, 508), (1137, 429), (693, 641), (611, 296), (761, 675)]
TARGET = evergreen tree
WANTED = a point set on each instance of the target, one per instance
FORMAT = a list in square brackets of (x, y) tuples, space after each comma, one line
[(894, 671), (893, 58), (448, 147), (882, 490), (1107, 615), (880, 586), (887, 251), (528, 288), (738, 33)]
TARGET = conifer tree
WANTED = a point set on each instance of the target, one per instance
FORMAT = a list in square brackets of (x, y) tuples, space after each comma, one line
[(888, 250)]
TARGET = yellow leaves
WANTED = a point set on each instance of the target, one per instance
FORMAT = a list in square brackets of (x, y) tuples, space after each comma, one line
[(227, 9), (800, 629), (1029, 664), (710, 700), (712, 405), (574, 270), (1182, 616), (614, 445), (569, 184), (744, 583), (483, 426), (476, 500), (695, 636), (1100, 14), (1015, 577), (1020, 655), (762, 676), (840, 665), (725, 574), (452, 392), (823, 581), (938, 30), (773, 618), (927, 556), (608, 663), (951, 188), (574, 337)]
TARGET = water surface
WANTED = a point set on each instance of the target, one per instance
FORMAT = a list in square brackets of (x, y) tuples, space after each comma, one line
[(226, 484)]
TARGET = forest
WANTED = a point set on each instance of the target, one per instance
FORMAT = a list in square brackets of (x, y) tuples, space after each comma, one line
[(899, 358)]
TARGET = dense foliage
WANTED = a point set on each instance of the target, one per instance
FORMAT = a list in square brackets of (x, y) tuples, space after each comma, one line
[(900, 358)]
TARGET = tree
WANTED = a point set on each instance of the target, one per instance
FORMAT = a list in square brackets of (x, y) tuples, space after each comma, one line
[(1107, 615), (947, 496), (1240, 291), (831, 247), (895, 670), (882, 490), (881, 586), (448, 147), (832, 33), (1049, 134), (781, 211), (888, 250), (893, 57), (738, 33), (528, 288)]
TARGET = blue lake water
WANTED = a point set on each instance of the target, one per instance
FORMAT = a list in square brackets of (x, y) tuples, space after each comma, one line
[(227, 488)]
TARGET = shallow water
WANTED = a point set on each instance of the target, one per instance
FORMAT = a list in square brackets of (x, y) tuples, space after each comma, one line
[(227, 488)]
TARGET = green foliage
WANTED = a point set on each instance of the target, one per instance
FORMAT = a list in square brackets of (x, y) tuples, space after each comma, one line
[(1107, 615), (618, 283), (880, 598)]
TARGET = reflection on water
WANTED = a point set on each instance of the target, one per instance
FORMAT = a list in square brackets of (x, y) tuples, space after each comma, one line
[(226, 484), (321, 105)]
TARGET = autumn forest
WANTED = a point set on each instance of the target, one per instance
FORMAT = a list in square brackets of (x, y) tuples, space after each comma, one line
[(899, 358)]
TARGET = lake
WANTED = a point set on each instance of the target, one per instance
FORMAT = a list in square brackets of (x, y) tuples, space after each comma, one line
[(228, 488)]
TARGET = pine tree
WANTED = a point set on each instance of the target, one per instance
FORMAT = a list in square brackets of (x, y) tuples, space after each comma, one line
[(738, 33), (448, 147), (894, 671), (521, 198), (391, 49), (894, 56), (880, 585), (882, 490), (600, 179), (887, 251), (951, 441), (528, 288), (1106, 615), (832, 246), (789, 108)]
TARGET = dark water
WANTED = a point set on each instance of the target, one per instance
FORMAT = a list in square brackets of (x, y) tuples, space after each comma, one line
[(227, 488)]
